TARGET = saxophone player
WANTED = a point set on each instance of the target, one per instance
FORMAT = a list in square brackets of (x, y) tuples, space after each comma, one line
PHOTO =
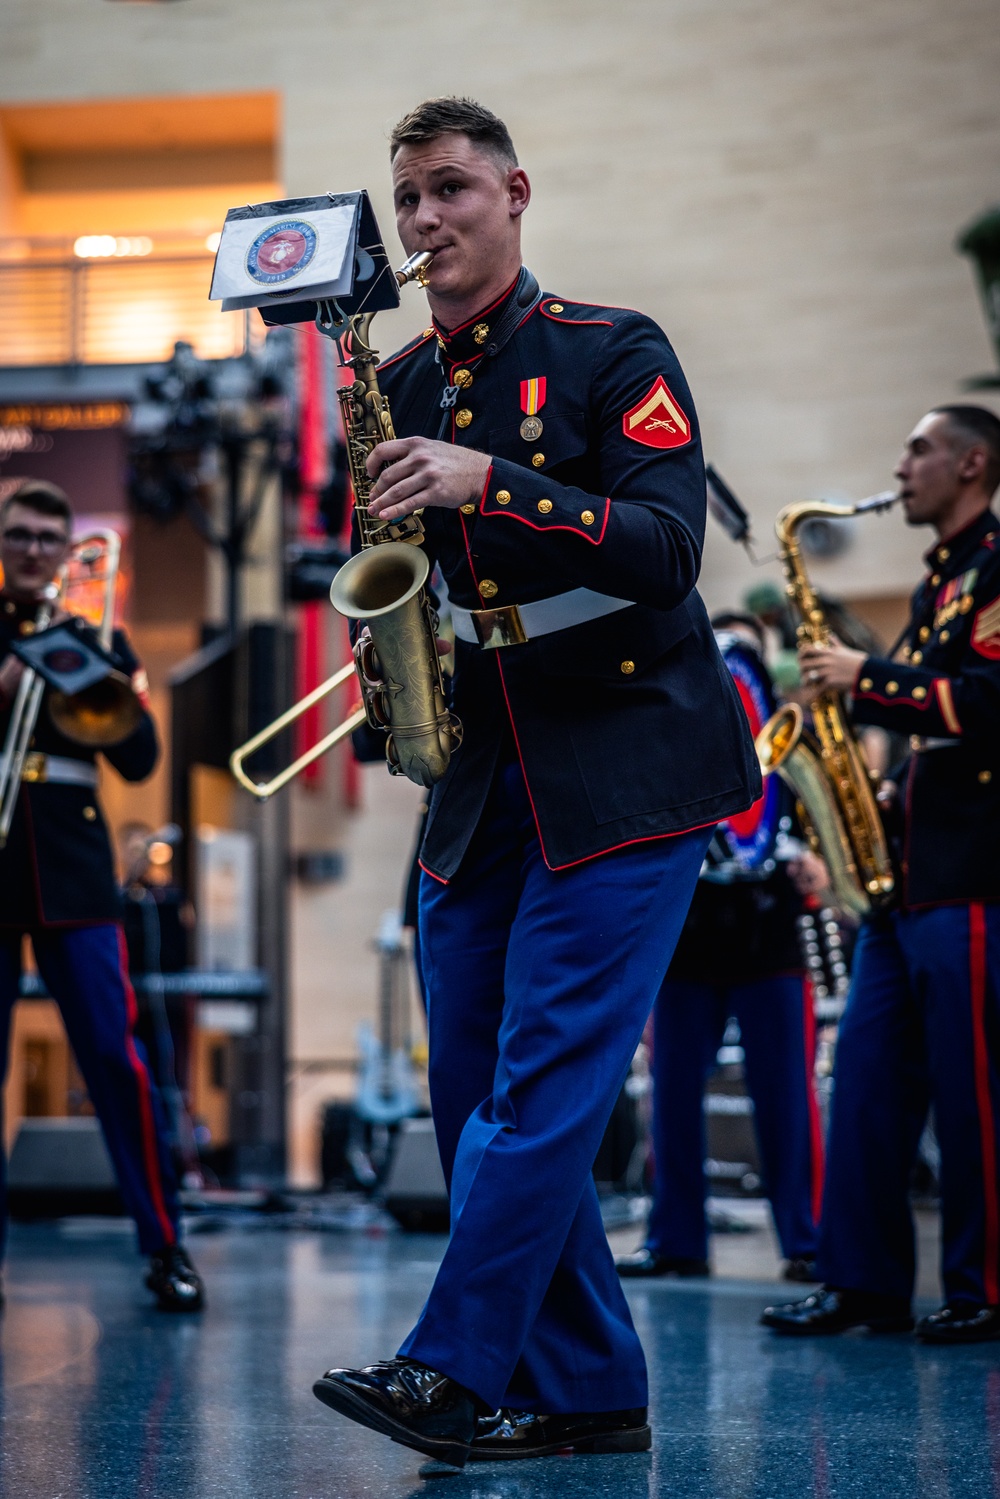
[(922, 1025), (553, 449)]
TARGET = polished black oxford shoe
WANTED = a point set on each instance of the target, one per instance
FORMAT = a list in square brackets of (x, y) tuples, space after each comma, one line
[(646, 1264), (513, 1434), (175, 1282), (404, 1400), (801, 1270), (830, 1310), (960, 1322)]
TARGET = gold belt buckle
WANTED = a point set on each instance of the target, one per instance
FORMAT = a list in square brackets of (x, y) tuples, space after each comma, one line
[(35, 767), (499, 627)]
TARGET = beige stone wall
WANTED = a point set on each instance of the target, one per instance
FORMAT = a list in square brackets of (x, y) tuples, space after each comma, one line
[(779, 184)]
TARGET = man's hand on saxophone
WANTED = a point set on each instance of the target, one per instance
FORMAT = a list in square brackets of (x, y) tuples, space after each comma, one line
[(424, 472), (833, 667)]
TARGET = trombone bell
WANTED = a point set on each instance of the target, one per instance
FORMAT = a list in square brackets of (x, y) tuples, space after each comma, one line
[(99, 716)]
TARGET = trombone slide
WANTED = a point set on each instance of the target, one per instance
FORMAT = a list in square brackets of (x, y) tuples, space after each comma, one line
[(263, 789)]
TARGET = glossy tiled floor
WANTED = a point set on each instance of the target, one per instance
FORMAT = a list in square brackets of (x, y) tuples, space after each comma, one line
[(103, 1398)]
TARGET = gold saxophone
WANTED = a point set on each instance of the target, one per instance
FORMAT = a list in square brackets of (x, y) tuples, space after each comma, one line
[(383, 586), (827, 769)]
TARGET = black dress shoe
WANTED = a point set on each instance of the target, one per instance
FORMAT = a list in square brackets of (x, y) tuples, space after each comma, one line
[(960, 1322), (175, 1282), (830, 1310), (646, 1264), (513, 1434), (404, 1400), (801, 1270)]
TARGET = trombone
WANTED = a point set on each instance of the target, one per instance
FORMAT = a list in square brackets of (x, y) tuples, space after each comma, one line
[(263, 789)]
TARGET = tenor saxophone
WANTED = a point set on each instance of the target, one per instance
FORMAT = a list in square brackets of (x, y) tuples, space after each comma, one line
[(827, 769), (384, 586)]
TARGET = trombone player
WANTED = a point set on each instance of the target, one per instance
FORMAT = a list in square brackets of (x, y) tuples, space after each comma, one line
[(922, 1023), (553, 449), (57, 885)]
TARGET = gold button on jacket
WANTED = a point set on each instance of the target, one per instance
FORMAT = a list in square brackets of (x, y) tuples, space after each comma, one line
[(468, 509), (628, 667), (545, 506), (891, 687), (488, 588), (463, 379), (503, 496), (463, 417), (537, 459), (587, 517), (866, 684)]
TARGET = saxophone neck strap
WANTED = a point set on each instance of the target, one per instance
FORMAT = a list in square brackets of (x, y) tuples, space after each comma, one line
[(524, 299)]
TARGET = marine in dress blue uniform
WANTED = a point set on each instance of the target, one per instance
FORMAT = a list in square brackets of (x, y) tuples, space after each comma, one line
[(922, 1024), (739, 956), (57, 885), (562, 847)]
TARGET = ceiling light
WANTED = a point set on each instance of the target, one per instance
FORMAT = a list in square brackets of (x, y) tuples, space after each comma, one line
[(104, 246)]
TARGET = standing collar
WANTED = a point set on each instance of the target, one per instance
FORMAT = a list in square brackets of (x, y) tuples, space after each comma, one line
[(468, 341), (947, 557)]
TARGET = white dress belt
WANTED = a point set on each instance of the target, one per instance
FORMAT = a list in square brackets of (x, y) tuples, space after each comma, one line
[(59, 770), (545, 616)]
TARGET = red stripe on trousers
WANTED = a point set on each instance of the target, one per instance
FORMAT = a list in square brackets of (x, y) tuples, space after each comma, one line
[(149, 1150), (981, 1067), (815, 1127)]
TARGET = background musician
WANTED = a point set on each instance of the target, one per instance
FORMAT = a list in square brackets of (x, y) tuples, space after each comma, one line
[(739, 956), (922, 1024), (57, 885), (562, 489)]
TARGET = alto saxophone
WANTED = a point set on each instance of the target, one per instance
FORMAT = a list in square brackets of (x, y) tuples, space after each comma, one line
[(384, 586), (827, 769)]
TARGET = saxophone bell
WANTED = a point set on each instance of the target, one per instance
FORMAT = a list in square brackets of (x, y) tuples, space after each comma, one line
[(826, 768)]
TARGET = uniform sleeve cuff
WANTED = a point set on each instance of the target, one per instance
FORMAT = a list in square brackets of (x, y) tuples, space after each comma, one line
[(535, 501)]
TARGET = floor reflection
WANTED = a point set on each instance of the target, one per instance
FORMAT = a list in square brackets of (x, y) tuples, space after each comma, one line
[(104, 1398)]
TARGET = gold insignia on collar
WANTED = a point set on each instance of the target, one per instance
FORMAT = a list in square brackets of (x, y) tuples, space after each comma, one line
[(481, 332)]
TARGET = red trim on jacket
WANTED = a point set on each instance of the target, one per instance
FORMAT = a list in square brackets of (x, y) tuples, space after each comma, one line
[(405, 353), (583, 531), (440, 878), (893, 702), (599, 853), (580, 322), (816, 1160), (149, 1145), (478, 317), (984, 1103)]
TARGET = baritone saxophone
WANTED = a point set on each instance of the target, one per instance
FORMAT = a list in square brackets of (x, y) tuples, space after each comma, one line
[(826, 769)]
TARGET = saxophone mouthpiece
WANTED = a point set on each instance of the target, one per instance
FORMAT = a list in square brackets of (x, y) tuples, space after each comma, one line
[(415, 269), (878, 501)]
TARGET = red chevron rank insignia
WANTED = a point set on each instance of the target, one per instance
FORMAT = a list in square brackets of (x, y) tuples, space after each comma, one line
[(657, 420), (986, 631)]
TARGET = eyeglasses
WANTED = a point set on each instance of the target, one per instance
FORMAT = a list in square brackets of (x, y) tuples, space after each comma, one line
[(20, 539)]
